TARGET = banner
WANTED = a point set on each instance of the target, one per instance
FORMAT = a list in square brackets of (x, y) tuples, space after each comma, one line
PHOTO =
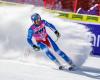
[(92, 22), (95, 29)]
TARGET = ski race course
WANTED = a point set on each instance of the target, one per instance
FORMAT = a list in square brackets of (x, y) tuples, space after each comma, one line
[(18, 61)]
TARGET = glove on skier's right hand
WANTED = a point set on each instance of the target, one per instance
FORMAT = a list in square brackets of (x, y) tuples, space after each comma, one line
[(57, 34), (36, 48)]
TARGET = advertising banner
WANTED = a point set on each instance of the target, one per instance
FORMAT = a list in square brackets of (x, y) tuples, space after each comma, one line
[(95, 29), (92, 22)]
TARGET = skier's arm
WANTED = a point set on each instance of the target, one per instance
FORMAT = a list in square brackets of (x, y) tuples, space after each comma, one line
[(29, 37), (52, 27)]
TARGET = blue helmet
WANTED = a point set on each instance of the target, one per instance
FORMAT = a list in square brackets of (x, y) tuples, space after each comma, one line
[(35, 17)]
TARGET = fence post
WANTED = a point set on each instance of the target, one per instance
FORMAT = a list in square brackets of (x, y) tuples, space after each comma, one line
[(75, 5)]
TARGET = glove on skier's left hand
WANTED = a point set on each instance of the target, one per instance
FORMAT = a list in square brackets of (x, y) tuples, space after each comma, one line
[(36, 48), (57, 34)]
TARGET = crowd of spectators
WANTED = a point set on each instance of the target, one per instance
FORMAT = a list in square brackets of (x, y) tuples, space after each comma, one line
[(65, 5), (91, 7)]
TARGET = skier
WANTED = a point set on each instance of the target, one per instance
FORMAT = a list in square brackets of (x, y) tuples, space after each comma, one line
[(44, 41)]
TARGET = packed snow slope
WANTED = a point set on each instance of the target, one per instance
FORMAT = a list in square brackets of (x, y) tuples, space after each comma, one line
[(18, 61), (17, 70)]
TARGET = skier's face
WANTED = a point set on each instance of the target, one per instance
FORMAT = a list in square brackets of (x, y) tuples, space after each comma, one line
[(38, 21)]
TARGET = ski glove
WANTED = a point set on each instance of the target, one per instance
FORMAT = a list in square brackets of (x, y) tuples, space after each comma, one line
[(36, 48), (57, 34)]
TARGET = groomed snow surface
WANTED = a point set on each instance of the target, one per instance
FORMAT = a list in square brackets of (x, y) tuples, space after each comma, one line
[(19, 62), (17, 70)]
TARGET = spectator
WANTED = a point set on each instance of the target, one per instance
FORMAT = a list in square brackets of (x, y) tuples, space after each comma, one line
[(49, 3), (66, 5), (88, 8), (20, 1), (94, 10)]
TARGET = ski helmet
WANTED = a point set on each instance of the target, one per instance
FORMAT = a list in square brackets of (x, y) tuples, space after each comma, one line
[(35, 17)]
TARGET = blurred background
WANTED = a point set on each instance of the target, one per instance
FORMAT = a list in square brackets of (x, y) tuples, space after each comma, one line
[(91, 7)]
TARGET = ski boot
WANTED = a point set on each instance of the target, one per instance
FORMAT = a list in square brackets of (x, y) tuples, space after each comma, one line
[(61, 67), (72, 66)]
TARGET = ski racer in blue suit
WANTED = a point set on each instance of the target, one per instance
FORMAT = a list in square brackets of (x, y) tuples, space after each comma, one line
[(44, 41)]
